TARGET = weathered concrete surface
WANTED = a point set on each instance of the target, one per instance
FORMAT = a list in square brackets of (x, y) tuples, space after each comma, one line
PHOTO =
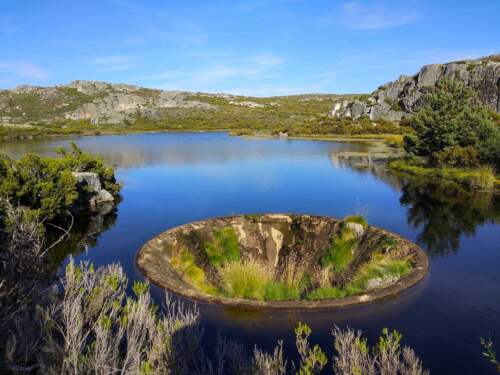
[(272, 239)]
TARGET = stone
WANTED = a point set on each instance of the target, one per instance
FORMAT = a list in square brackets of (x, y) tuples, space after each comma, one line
[(103, 196), (380, 282), (357, 229), (90, 179), (100, 196)]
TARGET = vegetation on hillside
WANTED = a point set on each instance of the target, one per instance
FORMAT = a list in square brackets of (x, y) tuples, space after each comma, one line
[(34, 115)]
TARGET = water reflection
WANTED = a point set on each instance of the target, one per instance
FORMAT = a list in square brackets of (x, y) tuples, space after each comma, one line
[(444, 212), (180, 149), (88, 227), (441, 212)]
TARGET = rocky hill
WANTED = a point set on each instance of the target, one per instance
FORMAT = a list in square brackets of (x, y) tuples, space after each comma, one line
[(101, 103), (98, 102), (395, 100)]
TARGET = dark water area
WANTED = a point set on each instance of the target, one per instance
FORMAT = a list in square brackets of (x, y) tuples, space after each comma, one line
[(172, 179)]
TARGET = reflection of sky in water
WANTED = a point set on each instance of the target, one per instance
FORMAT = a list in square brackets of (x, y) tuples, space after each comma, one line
[(139, 150), (171, 179)]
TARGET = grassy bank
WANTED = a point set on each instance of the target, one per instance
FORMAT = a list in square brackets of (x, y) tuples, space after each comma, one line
[(482, 178)]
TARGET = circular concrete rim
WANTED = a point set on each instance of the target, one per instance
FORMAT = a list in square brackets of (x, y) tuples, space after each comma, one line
[(420, 270)]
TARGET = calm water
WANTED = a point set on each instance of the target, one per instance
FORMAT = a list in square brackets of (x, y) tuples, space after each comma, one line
[(171, 179)]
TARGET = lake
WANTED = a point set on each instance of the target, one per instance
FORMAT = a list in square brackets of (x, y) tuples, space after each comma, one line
[(172, 179)]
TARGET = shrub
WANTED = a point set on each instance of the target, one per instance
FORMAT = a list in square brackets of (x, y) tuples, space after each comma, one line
[(456, 156), (224, 247), (395, 141), (452, 115), (46, 185), (482, 178)]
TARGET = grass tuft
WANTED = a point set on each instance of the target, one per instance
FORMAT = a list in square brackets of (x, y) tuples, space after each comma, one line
[(223, 248), (184, 263), (244, 280)]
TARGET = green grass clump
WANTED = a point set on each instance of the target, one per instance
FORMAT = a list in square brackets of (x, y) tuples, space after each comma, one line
[(254, 280), (340, 254), (223, 248), (327, 292), (244, 280), (184, 263), (279, 291), (482, 178), (379, 267)]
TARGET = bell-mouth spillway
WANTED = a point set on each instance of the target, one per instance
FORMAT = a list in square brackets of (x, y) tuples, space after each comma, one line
[(282, 261)]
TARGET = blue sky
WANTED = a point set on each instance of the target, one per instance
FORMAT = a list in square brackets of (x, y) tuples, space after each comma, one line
[(253, 47)]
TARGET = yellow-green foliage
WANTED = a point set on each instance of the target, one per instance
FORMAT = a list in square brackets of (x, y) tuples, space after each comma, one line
[(224, 247), (482, 178), (380, 266), (301, 115), (184, 263), (340, 254), (245, 280), (395, 140), (46, 185), (280, 291)]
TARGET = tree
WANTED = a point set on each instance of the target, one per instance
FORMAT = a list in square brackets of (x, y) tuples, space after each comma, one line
[(452, 120)]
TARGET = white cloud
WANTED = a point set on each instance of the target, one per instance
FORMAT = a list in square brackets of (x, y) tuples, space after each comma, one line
[(377, 16), (21, 69), (219, 72)]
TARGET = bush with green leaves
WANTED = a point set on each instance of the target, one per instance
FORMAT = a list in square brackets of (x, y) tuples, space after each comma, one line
[(46, 185), (452, 121)]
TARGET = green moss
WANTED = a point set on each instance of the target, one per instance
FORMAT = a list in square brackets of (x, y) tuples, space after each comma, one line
[(224, 247)]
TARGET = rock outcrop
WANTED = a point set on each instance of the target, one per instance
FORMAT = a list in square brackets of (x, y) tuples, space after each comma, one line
[(395, 100), (99, 102), (98, 195), (117, 103)]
